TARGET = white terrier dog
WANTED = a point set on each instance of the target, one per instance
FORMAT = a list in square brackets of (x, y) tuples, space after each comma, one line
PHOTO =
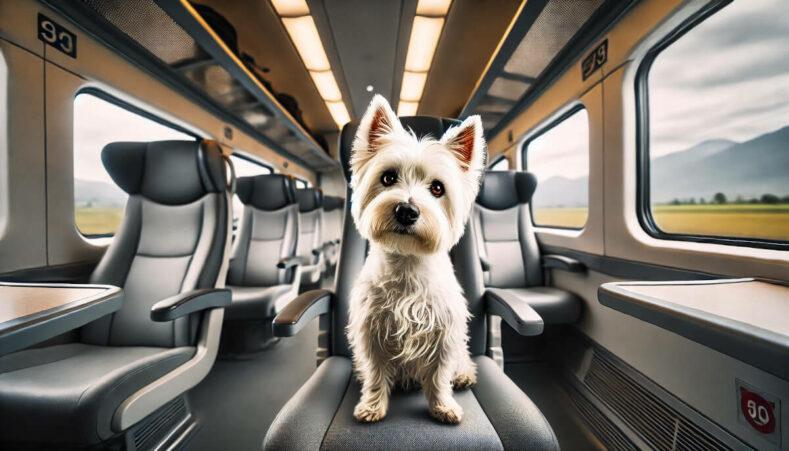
[(408, 316)]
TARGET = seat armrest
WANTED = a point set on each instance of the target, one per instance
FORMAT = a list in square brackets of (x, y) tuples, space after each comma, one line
[(193, 301), (554, 261), (300, 311), (288, 262), (484, 263), (514, 311), (323, 248)]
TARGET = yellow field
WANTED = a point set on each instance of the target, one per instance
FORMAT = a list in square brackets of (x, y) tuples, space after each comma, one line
[(574, 218), (98, 221), (744, 221)]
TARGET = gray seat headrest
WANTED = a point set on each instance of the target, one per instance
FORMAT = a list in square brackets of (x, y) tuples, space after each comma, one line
[(421, 125), (331, 203), (166, 172), (267, 192), (309, 199), (505, 189)]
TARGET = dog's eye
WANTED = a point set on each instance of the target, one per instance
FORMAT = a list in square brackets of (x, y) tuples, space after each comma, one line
[(388, 178), (436, 188)]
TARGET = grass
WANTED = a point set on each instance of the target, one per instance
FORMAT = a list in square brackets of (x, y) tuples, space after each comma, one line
[(98, 220), (732, 220)]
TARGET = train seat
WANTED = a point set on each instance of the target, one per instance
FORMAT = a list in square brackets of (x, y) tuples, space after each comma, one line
[(508, 250), (168, 255)]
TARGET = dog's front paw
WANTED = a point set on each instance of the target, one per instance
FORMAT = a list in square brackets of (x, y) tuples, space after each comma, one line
[(464, 380), (446, 413), (365, 413)]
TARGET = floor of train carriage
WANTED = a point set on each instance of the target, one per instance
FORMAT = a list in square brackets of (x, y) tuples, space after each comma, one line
[(239, 399)]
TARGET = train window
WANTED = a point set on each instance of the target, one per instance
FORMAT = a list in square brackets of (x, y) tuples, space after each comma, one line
[(501, 164), (98, 121), (559, 158), (247, 166), (715, 128), (301, 184)]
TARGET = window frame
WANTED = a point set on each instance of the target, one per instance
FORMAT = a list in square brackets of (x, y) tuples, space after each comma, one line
[(134, 109), (643, 200), (548, 126), (256, 161), (495, 161)]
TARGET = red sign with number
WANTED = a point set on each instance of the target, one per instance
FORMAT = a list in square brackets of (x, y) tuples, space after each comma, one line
[(759, 412)]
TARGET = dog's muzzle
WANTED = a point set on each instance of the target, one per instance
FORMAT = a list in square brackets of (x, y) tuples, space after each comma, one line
[(406, 213)]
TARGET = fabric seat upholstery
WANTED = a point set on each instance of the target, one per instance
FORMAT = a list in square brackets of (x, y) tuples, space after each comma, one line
[(333, 210), (268, 232), (497, 415), (173, 239), (310, 240), (503, 229)]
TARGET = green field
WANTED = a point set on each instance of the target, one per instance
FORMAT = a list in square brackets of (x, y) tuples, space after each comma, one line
[(735, 220), (98, 220)]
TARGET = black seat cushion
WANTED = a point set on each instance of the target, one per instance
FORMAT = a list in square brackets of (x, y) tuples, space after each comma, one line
[(256, 302), (68, 394), (555, 306), (497, 415)]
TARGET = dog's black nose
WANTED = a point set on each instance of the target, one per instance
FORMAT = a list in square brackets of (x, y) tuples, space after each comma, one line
[(406, 213)]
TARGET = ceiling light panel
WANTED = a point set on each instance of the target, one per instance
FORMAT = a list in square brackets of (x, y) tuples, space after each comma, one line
[(407, 108), (339, 113), (327, 86), (422, 45), (305, 37), (413, 85), (425, 33), (296, 18), (433, 7), (291, 8)]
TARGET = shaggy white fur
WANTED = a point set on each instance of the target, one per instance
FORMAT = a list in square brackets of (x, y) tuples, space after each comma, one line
[(408, 315)]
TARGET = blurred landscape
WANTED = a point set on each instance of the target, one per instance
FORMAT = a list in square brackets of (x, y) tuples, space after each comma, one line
[(717, 187)]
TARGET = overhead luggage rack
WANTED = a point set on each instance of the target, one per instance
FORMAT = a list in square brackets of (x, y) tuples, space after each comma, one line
[(543, 39), (172, 40)]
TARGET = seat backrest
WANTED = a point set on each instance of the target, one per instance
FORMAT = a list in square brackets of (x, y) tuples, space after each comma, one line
[(172, 237), (310, 216), (268, 231), (354, 250), (503, 230), (333, 208)]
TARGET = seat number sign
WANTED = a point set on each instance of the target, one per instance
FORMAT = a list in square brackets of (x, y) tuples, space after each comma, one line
[(594, 60), (57, 36), (760, 411)]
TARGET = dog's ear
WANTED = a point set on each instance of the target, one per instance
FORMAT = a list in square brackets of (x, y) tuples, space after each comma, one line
[(378, 120), (467, 143)]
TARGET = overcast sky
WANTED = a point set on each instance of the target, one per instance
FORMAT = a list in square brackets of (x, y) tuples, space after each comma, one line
[(728, 78), (98, 123), (562, 150)]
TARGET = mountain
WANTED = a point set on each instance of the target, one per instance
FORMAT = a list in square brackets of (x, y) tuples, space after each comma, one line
[(748, 169), (98, 193), (562, 192)]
